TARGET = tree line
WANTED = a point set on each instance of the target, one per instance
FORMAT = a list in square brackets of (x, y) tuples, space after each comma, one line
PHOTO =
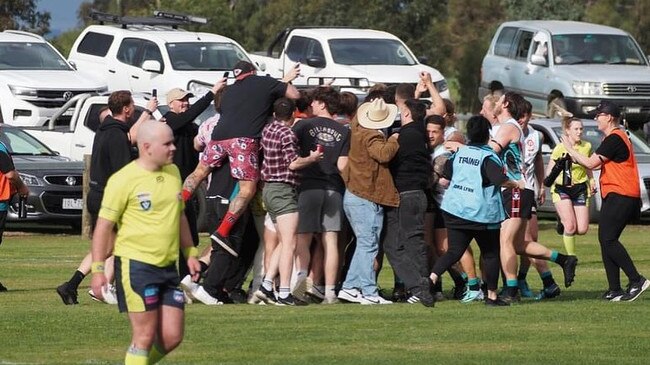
[(453, 35)]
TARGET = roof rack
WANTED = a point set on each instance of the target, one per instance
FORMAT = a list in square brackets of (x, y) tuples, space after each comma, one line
[(163, 18)]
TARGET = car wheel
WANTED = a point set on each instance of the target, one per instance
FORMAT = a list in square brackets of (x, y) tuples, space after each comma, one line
[(555, 105)]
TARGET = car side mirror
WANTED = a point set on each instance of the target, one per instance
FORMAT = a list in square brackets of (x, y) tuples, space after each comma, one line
[(73, 64), (261, 66), (538, 60), (152, 66), (316, 62), (423, 59)]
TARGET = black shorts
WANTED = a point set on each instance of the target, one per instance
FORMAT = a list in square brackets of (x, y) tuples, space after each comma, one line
[(143, 287), (576, 193), (438, 220), (519, 203)]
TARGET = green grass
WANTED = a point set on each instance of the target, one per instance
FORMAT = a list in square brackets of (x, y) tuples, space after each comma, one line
[(576, 328)]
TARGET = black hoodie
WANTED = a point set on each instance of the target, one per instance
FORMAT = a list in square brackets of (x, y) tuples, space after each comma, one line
[(111, 151)]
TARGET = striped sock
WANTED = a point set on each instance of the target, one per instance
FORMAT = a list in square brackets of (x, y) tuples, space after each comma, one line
[(267, 284), (283, 293)]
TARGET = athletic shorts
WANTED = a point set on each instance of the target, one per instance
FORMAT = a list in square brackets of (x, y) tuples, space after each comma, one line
[(576, 193), (143, 287), (430, 201), (320, 211), (518, 203), (279, 199), (438, 220), (242, 153)]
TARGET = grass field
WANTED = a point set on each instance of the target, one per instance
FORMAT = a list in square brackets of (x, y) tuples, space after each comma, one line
[(576, 328)]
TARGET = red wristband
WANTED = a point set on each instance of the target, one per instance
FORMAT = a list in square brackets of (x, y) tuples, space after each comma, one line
[(186, 195)]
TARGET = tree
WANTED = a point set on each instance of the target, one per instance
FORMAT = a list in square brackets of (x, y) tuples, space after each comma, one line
[(544, 9), (22, 14)]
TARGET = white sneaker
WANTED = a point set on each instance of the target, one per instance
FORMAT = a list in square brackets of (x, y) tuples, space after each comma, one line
[(374, 300), (202, 296), (107, 293), (189, 287), (350, 295), (314, 292)]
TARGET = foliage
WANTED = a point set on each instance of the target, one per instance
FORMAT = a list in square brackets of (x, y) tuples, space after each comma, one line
[(22, 14)]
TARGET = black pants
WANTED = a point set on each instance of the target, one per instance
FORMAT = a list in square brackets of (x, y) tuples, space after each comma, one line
[(615, 213), (459, 240), (3, 220), (404, 243)]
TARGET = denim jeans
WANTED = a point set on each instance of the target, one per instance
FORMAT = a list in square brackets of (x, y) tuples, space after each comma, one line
[(366, 219)]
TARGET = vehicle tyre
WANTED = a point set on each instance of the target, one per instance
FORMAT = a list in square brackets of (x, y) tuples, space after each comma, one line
[(555, 101)]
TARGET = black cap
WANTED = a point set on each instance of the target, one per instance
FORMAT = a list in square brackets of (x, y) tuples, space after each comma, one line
[(243, 67), (608, 107)]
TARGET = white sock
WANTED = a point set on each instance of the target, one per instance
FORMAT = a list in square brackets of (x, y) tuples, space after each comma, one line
[(329, 291), (283, 293), (267, 284)]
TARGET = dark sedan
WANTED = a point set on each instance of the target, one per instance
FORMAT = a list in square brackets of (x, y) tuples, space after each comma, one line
[(55, 182)]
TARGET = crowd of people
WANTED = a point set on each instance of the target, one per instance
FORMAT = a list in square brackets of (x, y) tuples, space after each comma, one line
[(309, 190)]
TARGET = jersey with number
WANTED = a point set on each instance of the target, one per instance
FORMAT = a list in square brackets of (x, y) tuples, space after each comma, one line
[(146, 206), (532, 146)]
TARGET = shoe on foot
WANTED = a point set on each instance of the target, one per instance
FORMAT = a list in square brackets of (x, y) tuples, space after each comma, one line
[(314, 293), (374, 300), (426, 293), (237, 296), (299, 290), (471, 296), (204, 297), (67, 294), (399, 295), (267, 296), (569, 269), (548, 293), (289, 301), (498, 302), (331, 300), (524, 289), (438, 296), (635, 289), (352, 295), (613, 295), (2, 288), (225, 243), (458, 292), (189, 287)]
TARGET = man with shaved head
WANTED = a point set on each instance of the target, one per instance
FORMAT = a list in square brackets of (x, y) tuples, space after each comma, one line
[(144, 200)]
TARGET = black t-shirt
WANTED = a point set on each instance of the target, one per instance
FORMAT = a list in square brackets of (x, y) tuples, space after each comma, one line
[(246, 106), (221, 182), (491, 174), (411, 166), (614, 148), (335, 139)]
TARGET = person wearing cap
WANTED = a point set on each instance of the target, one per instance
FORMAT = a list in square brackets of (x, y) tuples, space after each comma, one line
[(620, 192), (180, 118), (246, 107), (369, 187)]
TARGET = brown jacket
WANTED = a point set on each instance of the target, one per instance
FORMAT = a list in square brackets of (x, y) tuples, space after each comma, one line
[(366, 174)]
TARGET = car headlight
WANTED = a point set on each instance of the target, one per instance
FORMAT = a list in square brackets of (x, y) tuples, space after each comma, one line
[(587, 88), (442, 85), (21, 90), (198, 87), (30, 180)]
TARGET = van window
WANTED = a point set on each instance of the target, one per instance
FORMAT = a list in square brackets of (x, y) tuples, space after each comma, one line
[(523, 45), (297, 48), (96, 44), (504, 42), (128, 51)]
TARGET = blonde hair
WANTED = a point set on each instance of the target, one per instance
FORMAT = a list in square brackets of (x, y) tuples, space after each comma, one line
[(492, 99)]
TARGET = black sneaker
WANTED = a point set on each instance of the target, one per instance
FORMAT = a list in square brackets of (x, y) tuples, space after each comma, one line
[(458, 292), (2, 288), (613, 295), (267, 296), (498, 302), (569, 269), (289, 301), (509, 295), (67, 294), (224, 242), (237, 296), (399, 295), (549, 292), (425, 292), (635, 289)]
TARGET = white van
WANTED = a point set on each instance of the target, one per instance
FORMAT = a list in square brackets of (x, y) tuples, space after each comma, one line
[(573, 64), (35, 79)]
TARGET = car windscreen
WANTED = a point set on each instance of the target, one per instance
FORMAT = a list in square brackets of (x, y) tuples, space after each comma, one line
[(571, 49), (30, 56), (595, 137), (360, 51), (204, 56), (19, 142)]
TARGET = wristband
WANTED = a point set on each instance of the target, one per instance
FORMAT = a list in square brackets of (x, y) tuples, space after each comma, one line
[(97, 267), (190, 252), (186, 195)]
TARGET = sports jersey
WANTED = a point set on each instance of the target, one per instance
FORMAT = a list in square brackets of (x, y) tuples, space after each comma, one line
[(147, 206), (511, 154), (532, 146)]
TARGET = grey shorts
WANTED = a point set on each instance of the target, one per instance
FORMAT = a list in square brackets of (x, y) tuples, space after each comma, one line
[(279, 199), (320, 211)]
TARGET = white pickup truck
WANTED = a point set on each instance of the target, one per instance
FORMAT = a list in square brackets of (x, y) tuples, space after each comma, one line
[(356, 58)]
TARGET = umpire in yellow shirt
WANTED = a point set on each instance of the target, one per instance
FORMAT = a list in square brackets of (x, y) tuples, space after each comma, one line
[(143, 199)]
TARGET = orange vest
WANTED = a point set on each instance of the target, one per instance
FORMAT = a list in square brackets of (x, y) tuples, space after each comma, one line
[(621, 177), (6, 189)]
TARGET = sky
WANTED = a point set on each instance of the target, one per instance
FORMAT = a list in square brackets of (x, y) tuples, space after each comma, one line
[(63, 12)]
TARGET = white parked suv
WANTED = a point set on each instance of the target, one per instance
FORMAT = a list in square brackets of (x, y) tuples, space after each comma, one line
[(573, 64), (35, 79), (142, 57)]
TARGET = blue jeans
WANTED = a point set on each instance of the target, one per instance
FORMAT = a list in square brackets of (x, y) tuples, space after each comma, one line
[(366, 219)]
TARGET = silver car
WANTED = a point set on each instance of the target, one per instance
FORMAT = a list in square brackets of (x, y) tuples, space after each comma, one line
[(551, 129)]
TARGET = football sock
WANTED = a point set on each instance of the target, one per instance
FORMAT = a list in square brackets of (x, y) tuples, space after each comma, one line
[(456, 277), (226, 224), (473, 284), (283, 293), (511, 287), (156, 354), (136, 356), (76, 279), (547, 278), (569, 244), (521, 276)]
